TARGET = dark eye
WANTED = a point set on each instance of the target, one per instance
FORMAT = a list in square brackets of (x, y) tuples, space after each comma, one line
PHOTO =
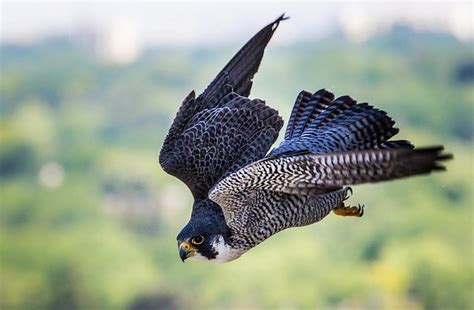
[(197, 240)]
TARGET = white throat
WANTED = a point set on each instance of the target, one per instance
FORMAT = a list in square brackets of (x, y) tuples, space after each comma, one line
[(225, 252)]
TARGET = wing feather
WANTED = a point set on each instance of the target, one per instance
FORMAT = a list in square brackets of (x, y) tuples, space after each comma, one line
[(327, 125), (214, 134), (240, 70), (218, 141)]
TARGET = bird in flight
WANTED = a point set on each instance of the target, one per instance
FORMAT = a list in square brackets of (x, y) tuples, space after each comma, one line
[(219, 143)]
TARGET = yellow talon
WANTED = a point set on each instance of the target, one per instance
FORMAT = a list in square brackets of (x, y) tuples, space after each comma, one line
[(357, 211)]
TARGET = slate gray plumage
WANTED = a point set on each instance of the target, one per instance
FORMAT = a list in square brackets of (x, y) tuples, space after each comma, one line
[(218, 145)]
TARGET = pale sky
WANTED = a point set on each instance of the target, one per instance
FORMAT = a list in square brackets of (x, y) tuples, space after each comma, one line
[(206, 23)]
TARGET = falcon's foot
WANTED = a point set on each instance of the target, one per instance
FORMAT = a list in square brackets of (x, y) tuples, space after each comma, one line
[(343, 210)]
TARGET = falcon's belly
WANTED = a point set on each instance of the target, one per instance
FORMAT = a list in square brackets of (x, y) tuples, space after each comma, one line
[(270, 213)]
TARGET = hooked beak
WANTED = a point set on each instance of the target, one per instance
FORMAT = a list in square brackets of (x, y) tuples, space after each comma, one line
[(186, 251)]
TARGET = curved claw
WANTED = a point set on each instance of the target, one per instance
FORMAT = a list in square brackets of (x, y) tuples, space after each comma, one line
[(361, 209), (348, 192)]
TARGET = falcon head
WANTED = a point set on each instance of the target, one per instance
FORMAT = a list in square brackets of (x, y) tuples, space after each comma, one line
[(200, 247), (205, 236)]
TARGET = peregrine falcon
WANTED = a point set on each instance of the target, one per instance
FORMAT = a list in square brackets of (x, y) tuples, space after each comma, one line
[(219, 142)]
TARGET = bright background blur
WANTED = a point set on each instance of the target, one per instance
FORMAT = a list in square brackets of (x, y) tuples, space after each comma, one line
[(88, 219)]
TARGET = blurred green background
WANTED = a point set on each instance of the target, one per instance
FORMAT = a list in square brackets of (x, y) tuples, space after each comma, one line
[(88, 219)]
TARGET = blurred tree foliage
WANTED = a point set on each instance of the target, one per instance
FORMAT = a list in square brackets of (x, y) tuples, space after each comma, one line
[(105, 238)]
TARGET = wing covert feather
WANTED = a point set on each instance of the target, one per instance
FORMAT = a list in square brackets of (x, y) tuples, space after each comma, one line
[(218, 141)]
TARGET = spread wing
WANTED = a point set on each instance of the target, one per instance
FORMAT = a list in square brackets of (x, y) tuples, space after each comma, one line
[(221, 130)]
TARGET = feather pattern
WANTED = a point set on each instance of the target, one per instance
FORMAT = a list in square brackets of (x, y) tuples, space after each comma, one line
[(315, 174), (220, 140), (255, 216)]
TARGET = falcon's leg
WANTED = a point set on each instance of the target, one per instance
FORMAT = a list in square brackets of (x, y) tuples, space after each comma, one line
[(344, 210)]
